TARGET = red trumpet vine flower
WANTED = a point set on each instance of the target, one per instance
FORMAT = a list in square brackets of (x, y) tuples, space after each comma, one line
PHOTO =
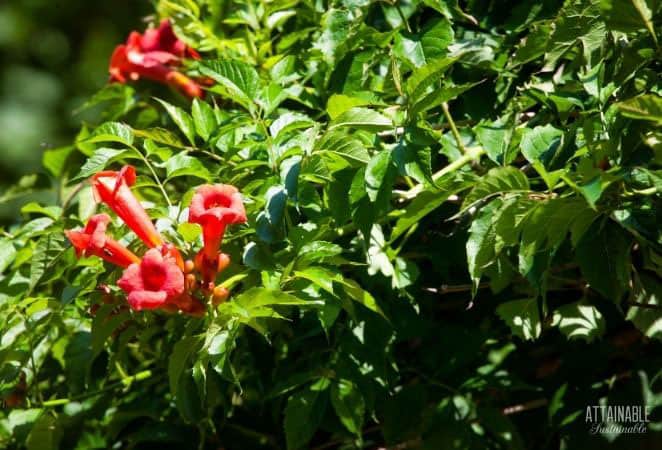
[(93, 240), (112, 188), (154, 282), (154, 55), (214, 208)]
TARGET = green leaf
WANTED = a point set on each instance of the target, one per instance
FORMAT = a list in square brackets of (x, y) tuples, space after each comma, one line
[(159, 135), (498, 180), (99, 160), (579, 321), (45, 434), (423, 78), (604, 258), (644, 107), (335, 27), (53, 212), (236, 80), (349, 405), (106, 322), (258, 296), (646, 311), (183, 165), (436, 39), (445, 93), (54, 160), (178, 360), (414, 161), (578, 24), (49, 248), (480, 246), (112, 132), (375, 173), (432, 43), (321, 276), (359, 295), (495, 138), (7, 254), (409, 50), (203, 118), (629, 15), (339, 103), (189, 231), (289, 122), (345, 146), (182, 119), (541, 144), (361, 119), (522, 317), (425, 203), (534, 44), (304, 413), (317, 251)]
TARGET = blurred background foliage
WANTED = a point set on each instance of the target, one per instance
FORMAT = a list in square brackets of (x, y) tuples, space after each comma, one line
[(54, 55)]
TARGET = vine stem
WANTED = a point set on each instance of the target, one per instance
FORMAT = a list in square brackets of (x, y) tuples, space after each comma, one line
[(470, 155), (402, 15), (156, 178), (454, 130), (526, 406), (125, 382)]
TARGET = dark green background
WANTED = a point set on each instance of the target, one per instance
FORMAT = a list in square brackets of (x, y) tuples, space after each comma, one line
[(53, 56)]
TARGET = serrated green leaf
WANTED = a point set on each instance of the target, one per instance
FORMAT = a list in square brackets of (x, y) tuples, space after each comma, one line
[(604, 258), (497, 181), (361, 119), (237, 81), (349, 405), (375, 173), (423, 78), (644, 107), (579, 321), (303, 415), (182, 119), (203, 118), (54, 160), (48, 249), (522, 317), (112, 132), (629, 15), (646, 312), (178, 360), (99, 160), (183, 165)]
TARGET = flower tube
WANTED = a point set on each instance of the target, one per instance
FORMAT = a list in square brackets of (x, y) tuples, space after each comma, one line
[(112, 188), (93, 240), (215, 207)]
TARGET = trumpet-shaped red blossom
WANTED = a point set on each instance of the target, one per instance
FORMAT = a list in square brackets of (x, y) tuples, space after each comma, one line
[(93, 240), (112, 188), (214, 208), (154, 55), (155, 282), (163, 39)]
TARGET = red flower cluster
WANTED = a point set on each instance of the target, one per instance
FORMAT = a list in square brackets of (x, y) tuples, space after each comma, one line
[(214, 208), (154, 55), (160, 279)]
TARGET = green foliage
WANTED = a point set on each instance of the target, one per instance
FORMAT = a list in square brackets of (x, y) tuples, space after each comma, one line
[(453, 236)]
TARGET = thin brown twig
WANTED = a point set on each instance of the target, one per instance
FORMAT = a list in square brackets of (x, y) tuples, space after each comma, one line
[(448, 289), (526, 406)]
